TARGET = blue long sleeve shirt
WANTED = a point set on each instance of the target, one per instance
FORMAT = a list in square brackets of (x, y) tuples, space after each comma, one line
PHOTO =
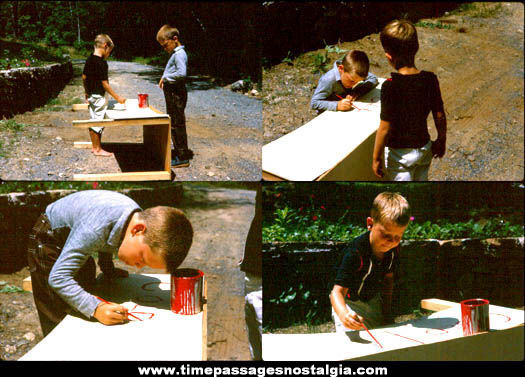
[(97, 221), (329, 86), (176, 67)]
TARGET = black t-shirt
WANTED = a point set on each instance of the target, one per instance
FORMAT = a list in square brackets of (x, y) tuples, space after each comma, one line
[(96, 71), (361, 272), (406, 101)]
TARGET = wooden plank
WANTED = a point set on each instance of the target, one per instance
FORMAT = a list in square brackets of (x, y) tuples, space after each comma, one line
[(120, 122), (82, 144), (131, 176), (318, 147), (270, 177), (161, 335), (79, 106), (436, 304), (27, 285)]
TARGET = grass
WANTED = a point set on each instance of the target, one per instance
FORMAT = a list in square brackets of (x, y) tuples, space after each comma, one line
[(479, 10), (434, 25), (11, 125)]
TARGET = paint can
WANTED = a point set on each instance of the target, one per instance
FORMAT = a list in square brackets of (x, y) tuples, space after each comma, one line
[(186, 291), (475, 316), (143, 100)]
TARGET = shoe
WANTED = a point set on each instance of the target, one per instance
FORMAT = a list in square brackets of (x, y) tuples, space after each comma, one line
[(178, 163)]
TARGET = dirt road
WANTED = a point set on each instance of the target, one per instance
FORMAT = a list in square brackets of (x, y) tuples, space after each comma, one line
[(221, 219), (479, 63), (224, 132)]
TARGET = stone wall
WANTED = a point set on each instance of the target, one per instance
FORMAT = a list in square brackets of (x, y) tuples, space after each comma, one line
[(23, 89), (299, 276), (19, 211)]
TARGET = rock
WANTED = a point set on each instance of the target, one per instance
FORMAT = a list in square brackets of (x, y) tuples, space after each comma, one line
[(238, 86), (29, 336), (10, 349), (211, 174)]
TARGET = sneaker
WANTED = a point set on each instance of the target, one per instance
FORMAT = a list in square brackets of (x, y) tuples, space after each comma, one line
[(178, 163)]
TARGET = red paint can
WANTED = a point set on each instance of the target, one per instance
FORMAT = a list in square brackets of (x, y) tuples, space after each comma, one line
[(475, 316), (143, 101), (186, 291)]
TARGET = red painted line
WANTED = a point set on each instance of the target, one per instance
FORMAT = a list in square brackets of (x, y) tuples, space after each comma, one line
[(404, 337)]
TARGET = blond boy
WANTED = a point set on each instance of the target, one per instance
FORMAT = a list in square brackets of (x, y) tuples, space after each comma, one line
[(362, 291)]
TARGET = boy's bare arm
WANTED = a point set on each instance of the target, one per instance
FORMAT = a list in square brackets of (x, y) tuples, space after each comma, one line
[(84, 78), (439, 146), (388, 285), (107, 88), (379, 147), (349, 318)]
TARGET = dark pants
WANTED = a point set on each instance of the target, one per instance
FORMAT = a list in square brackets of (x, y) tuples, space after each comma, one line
[(176, 97), (44, 248)]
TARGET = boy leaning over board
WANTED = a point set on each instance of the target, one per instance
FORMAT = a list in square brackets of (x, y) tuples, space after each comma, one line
[(403, 144), (362, 291), (72, 229), (348, 80)]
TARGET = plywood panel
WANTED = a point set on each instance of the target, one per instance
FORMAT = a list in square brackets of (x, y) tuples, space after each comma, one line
[(319, 146), (436, 337), (164, 336)]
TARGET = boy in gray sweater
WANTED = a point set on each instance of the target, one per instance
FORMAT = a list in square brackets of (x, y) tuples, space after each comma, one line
[(74, 228), (348, 80)]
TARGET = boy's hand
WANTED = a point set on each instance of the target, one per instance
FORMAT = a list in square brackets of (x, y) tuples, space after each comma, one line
[(121, 99), (345, 104), (377, 167), (439, 147), (352, 321), (111, 314), (161, 83)]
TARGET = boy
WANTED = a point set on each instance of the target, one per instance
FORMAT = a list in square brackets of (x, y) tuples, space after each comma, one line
[(77, 226), (406, 100), (362, 291), (344, 83), (173, 83), (96, 84)]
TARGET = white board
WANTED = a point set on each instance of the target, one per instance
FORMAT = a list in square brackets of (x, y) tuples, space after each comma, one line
[(160, 335), (440, 327), (321, 144), (132, 111)]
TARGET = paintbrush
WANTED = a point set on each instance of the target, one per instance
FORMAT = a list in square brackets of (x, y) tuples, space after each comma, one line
[(363, 324), (101, 299)]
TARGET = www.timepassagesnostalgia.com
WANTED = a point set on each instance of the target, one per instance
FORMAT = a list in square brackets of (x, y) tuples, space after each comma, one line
[(262, 371)]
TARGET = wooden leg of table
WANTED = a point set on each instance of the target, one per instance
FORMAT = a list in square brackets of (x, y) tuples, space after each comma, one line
[(157, 144)]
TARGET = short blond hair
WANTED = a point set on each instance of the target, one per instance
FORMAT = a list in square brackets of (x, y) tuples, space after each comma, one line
[(399, 40), (167, 32), (168, 233), (356, 62), (102, 39), (390, 207)]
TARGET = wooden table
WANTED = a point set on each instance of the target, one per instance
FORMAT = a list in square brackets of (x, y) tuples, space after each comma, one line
[(156, 140), (434, 338), (334, 146), (164, 337)]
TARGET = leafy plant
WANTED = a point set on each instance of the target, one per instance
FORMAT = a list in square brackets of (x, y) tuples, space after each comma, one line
[(11, 289), (320, 63), (288, 59)]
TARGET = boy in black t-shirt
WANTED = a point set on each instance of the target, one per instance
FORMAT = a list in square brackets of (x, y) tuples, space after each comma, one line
[(96, 84), (362, 291), (406, 100)]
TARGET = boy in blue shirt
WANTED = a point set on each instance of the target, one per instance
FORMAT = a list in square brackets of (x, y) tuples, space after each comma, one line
[(73, 229), (173, 83), (362, 291), (344, 83), (402, 139)]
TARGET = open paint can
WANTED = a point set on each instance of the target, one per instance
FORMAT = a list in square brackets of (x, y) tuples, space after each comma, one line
[(143, 101), (475, 316), (186, 291)]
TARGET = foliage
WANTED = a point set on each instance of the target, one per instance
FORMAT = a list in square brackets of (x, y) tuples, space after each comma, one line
[(479, 10), (11, 289), (11, 125), (320, 63), (433, 25)]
